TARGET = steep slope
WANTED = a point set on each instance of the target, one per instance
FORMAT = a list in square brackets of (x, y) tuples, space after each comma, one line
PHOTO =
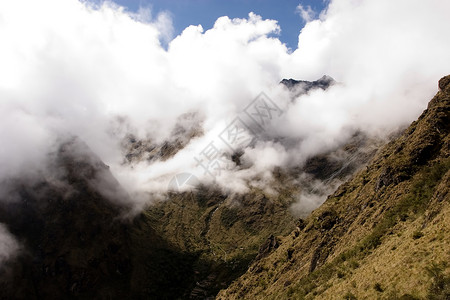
[(383, 234), (75, 240), (73, 243)]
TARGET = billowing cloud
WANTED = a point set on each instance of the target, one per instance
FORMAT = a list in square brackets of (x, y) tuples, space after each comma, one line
[(100, 73)]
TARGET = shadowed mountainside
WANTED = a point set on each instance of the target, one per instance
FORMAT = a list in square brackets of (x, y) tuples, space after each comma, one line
[(76, 241)]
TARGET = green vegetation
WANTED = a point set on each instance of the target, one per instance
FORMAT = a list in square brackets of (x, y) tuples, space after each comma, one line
[(415, 202), (229, 216)]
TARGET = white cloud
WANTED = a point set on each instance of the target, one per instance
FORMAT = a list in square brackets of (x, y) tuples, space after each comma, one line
[(164, 25), (307, 13), (388, 58), (72, 68)]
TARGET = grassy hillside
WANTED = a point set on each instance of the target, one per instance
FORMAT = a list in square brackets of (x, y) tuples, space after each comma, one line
[(223, 232), (382, 235)]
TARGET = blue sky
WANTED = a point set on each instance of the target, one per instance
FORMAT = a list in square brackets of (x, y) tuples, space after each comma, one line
[(206, 12)]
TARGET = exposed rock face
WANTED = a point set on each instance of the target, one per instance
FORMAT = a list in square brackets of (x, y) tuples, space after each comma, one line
[(384, 233)]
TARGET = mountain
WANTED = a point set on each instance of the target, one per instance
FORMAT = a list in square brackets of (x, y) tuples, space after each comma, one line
[(225, 230), (73, 244), (187, 127), (78, 239), (384, 234), (299, 87)]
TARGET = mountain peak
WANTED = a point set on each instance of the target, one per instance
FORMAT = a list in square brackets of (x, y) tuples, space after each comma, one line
[(444, 83), (303, 86)]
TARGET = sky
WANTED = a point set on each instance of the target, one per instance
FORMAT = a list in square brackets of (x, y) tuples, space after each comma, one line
[(101, 72), (205, 12)]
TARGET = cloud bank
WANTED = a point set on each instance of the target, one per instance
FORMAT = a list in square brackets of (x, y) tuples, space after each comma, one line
[(73, 68)]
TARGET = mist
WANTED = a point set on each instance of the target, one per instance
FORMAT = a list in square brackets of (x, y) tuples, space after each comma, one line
[(9, 246), (100, 73)]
